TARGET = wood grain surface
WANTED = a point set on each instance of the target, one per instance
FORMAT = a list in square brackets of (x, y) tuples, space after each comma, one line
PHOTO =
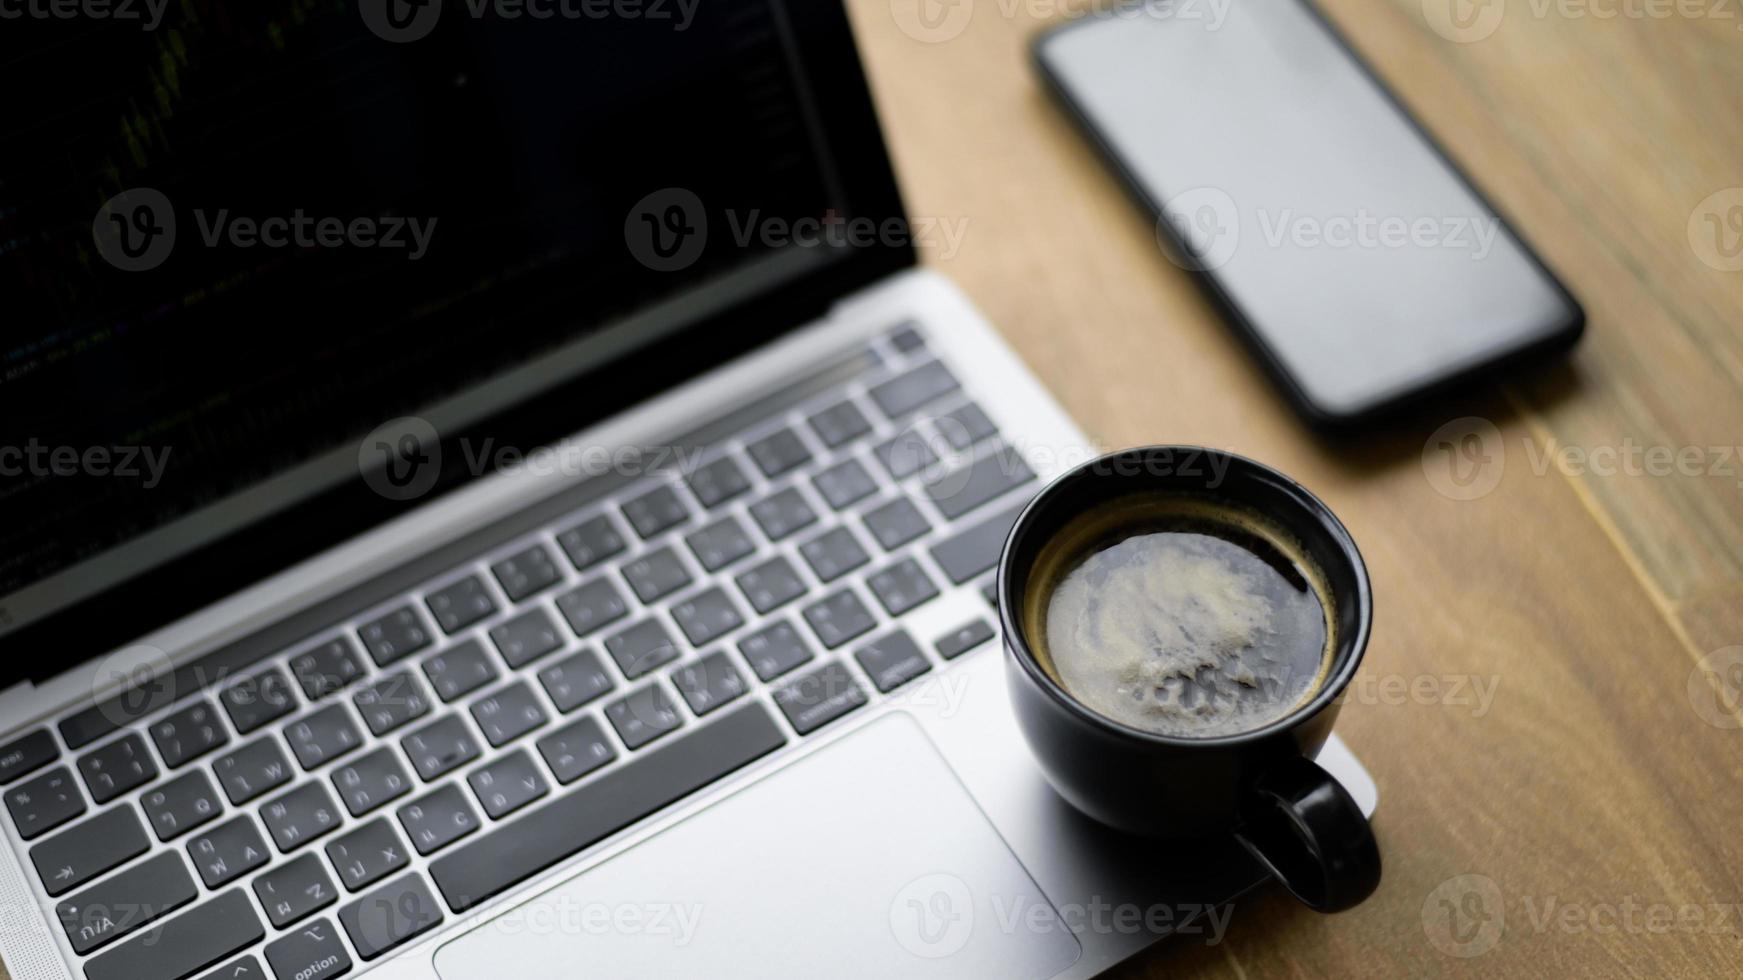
[(1580, 820)]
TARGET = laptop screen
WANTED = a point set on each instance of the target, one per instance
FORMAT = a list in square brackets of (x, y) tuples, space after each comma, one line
[(248, 250)]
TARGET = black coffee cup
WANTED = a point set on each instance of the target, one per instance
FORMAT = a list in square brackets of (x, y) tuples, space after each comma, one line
[(1262, 786)]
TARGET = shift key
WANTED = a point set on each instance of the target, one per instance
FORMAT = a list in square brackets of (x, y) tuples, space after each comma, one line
[(967, 554), (136, 897)]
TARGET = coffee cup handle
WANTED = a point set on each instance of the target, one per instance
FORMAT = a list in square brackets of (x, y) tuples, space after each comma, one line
[(1304, 827)]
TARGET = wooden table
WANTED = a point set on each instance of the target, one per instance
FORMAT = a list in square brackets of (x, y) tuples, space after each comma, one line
[(1594, 793)]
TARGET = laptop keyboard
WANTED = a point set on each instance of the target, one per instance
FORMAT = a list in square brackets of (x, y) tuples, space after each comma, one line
[(343, 799)]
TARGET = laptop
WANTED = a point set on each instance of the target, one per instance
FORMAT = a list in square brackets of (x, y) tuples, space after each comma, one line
[(496, 496)]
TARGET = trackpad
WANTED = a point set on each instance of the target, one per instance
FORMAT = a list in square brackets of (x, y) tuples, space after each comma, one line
[(866, 859)]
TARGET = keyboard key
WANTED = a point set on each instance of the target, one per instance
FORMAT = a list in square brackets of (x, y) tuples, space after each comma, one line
[(644, 647), (968, 553), (655, 511), (258, 700), (968, 487), (708, 683), (526, 637), (122, 765), (460, 670), (391, 702), (778, 453), (782, 514), (26, 754), (896, 523), (294, 891), (508, 714), (906, 454), (438, 819), (591, 542), (313, 952), (834, 554), (575, 750), (844, 484), (370, 781), (909, 390), (771, 585), (181, 804), (990, 592), (575, 680), (185, 944), (643, 715), (593, 605), (577, 820), (227, 852), (300, 816), (126, 901), (440, 747), (526, 573), (707, 616), (840, 424), (774, 650), (819, 697), (656, 574), (188, 734), (254, 769), (323, 736), (368, 854), (80, 853), (717, 482), (327, 669), (390, 916), (507, 784), (246, 968), (838, 618), (720, 544), (965, 425), (902, 586), (892, 661), (461, 604), (963, 639), (907, 340), (41, 804), (397, 635)]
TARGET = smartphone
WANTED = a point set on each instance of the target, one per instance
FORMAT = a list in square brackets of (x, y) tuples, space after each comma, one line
[(1359, 263)]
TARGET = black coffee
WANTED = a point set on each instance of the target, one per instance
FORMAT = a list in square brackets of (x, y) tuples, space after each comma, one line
[(1180, 616)]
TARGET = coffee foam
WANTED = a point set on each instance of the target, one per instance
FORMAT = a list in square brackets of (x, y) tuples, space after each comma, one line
[(1178, 632)]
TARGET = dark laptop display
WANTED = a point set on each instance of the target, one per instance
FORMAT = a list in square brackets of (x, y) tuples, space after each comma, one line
[(234, 242)]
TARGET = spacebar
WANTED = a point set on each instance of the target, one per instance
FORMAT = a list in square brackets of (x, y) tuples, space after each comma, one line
[(573, 822)]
